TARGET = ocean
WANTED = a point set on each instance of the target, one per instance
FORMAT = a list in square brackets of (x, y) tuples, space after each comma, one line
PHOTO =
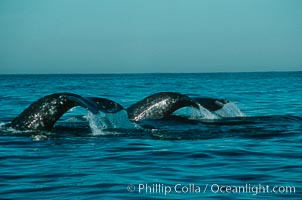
[(253, 152)]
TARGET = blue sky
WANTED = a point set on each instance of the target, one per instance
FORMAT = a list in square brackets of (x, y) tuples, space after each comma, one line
[(140, 36)]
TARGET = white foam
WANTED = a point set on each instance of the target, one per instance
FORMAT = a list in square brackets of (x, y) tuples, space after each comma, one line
[(12, 131), (2, 125), (202, 113), (39, 137), (229, 110), (100, 122)]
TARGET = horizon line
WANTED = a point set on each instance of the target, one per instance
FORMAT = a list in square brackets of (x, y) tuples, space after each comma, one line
[(113, 73)]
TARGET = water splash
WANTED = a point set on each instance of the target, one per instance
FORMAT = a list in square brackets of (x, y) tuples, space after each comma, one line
[(229, 110), (33, 134), (8, 130), (39, 137), (202, 113), (2, 125), (100, 122)]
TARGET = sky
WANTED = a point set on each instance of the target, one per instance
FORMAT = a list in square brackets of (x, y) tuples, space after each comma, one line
[(142, 36)]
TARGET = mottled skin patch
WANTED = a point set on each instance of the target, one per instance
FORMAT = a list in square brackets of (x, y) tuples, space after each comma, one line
[(159, 105)]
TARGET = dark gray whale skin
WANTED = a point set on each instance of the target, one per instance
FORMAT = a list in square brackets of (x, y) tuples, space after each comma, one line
[(43, 113), (211, 104), (106, 105), (159, 105)]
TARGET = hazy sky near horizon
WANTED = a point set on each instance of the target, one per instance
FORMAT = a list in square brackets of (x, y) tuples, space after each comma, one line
[(137, 36)]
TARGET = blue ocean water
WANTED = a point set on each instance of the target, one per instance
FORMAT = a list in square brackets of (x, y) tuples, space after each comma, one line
[(175, 160)]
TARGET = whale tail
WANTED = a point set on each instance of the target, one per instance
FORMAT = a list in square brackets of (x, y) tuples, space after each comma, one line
[(159, 105), (43, 113)]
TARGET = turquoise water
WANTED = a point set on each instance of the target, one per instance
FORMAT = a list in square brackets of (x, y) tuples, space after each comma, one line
[(193, 159)]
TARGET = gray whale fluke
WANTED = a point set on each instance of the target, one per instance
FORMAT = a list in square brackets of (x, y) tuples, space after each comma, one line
[(43, 113), (159, 105)]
